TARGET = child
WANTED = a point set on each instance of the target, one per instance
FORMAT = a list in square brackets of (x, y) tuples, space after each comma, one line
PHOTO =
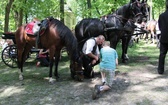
[(109, 60)]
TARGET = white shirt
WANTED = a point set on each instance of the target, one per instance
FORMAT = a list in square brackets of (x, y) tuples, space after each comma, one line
[(88, 47)]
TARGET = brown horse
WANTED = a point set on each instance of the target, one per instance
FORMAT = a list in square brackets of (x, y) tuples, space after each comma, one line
[(151, 27), (55, 37)]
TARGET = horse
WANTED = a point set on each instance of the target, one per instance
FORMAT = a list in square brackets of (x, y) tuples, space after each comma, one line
[(111, 26), (54, 38), (134, 28), (151, 27), (130, 26), (120, 25)]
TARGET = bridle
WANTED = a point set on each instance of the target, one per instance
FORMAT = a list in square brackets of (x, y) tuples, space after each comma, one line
[(133, 12)]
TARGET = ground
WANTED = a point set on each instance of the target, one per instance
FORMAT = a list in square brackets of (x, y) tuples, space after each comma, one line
[(135, 84)]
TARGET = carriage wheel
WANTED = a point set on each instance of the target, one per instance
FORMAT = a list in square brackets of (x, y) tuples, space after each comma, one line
[(9, 56)]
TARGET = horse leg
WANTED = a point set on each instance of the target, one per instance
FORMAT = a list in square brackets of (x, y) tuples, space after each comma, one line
[(20, 62), (146, 37), (126, 46), (51, 80), (57, 59), (131, 42), (51, 53), (153, 37), (141, 36), (113, 41), (22, 54), (125, 41)]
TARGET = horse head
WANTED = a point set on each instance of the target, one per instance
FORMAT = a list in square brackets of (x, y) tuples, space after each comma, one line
[(132, 10), (76, 69), (145, 9), (135, 10), (75, 60)]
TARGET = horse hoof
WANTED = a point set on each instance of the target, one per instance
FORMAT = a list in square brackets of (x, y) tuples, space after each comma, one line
[(20, 77), (124, 61), (76, 78), (92, 74), (51, 81), (79, 79)]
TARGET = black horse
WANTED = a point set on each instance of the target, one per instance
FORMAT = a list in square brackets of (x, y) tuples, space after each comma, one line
[(112, 26), (88, 28), (129, 28), (145, 10)]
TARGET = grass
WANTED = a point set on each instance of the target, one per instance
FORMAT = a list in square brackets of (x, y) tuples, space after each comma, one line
[(139, 55)]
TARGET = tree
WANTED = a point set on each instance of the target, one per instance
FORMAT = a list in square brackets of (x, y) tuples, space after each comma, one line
[(62, 10), (89, 8), (23, 11), (7, 12)]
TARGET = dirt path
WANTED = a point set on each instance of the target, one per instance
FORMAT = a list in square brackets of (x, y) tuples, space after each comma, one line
[(142, 86)]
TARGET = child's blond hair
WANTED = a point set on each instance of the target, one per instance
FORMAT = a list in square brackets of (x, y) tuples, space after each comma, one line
[(106, 43)]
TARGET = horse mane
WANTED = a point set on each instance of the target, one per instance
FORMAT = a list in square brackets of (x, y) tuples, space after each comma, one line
[(67, 38), (122, 10)]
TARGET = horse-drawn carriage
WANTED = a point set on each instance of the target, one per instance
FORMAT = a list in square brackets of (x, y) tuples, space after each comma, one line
[(9, 53)]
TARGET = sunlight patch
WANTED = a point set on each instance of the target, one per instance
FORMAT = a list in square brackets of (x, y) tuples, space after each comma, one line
[(11, 91)]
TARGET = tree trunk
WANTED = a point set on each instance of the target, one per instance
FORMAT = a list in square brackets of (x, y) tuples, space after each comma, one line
[(89, 7), (96, 8), (16, 15), (7, 12), (20, 18), (62, 10), (151, 11)]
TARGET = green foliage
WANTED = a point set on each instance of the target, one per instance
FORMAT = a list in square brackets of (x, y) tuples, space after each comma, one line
[(38, 8), (79, 8), (98, 8), (2, 12), (158, 8)]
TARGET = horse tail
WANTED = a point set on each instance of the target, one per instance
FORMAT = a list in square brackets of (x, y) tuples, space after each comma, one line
[(79, 30)]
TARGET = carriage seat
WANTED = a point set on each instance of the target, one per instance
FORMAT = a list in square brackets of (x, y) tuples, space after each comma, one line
[(8, 35)]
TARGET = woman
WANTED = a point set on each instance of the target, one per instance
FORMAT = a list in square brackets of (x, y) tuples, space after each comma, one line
[(43, 58)]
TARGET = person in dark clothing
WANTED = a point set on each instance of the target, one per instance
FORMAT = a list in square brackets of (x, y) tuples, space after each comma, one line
[(163, 26), (91, 54), (43, 58)]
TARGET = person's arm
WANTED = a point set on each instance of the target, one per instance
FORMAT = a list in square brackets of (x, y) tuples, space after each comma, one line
[(96, 57), (116, 62), (41, 51)]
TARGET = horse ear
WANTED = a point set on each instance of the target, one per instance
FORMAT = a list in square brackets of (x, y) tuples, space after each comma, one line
[(131, 5)]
